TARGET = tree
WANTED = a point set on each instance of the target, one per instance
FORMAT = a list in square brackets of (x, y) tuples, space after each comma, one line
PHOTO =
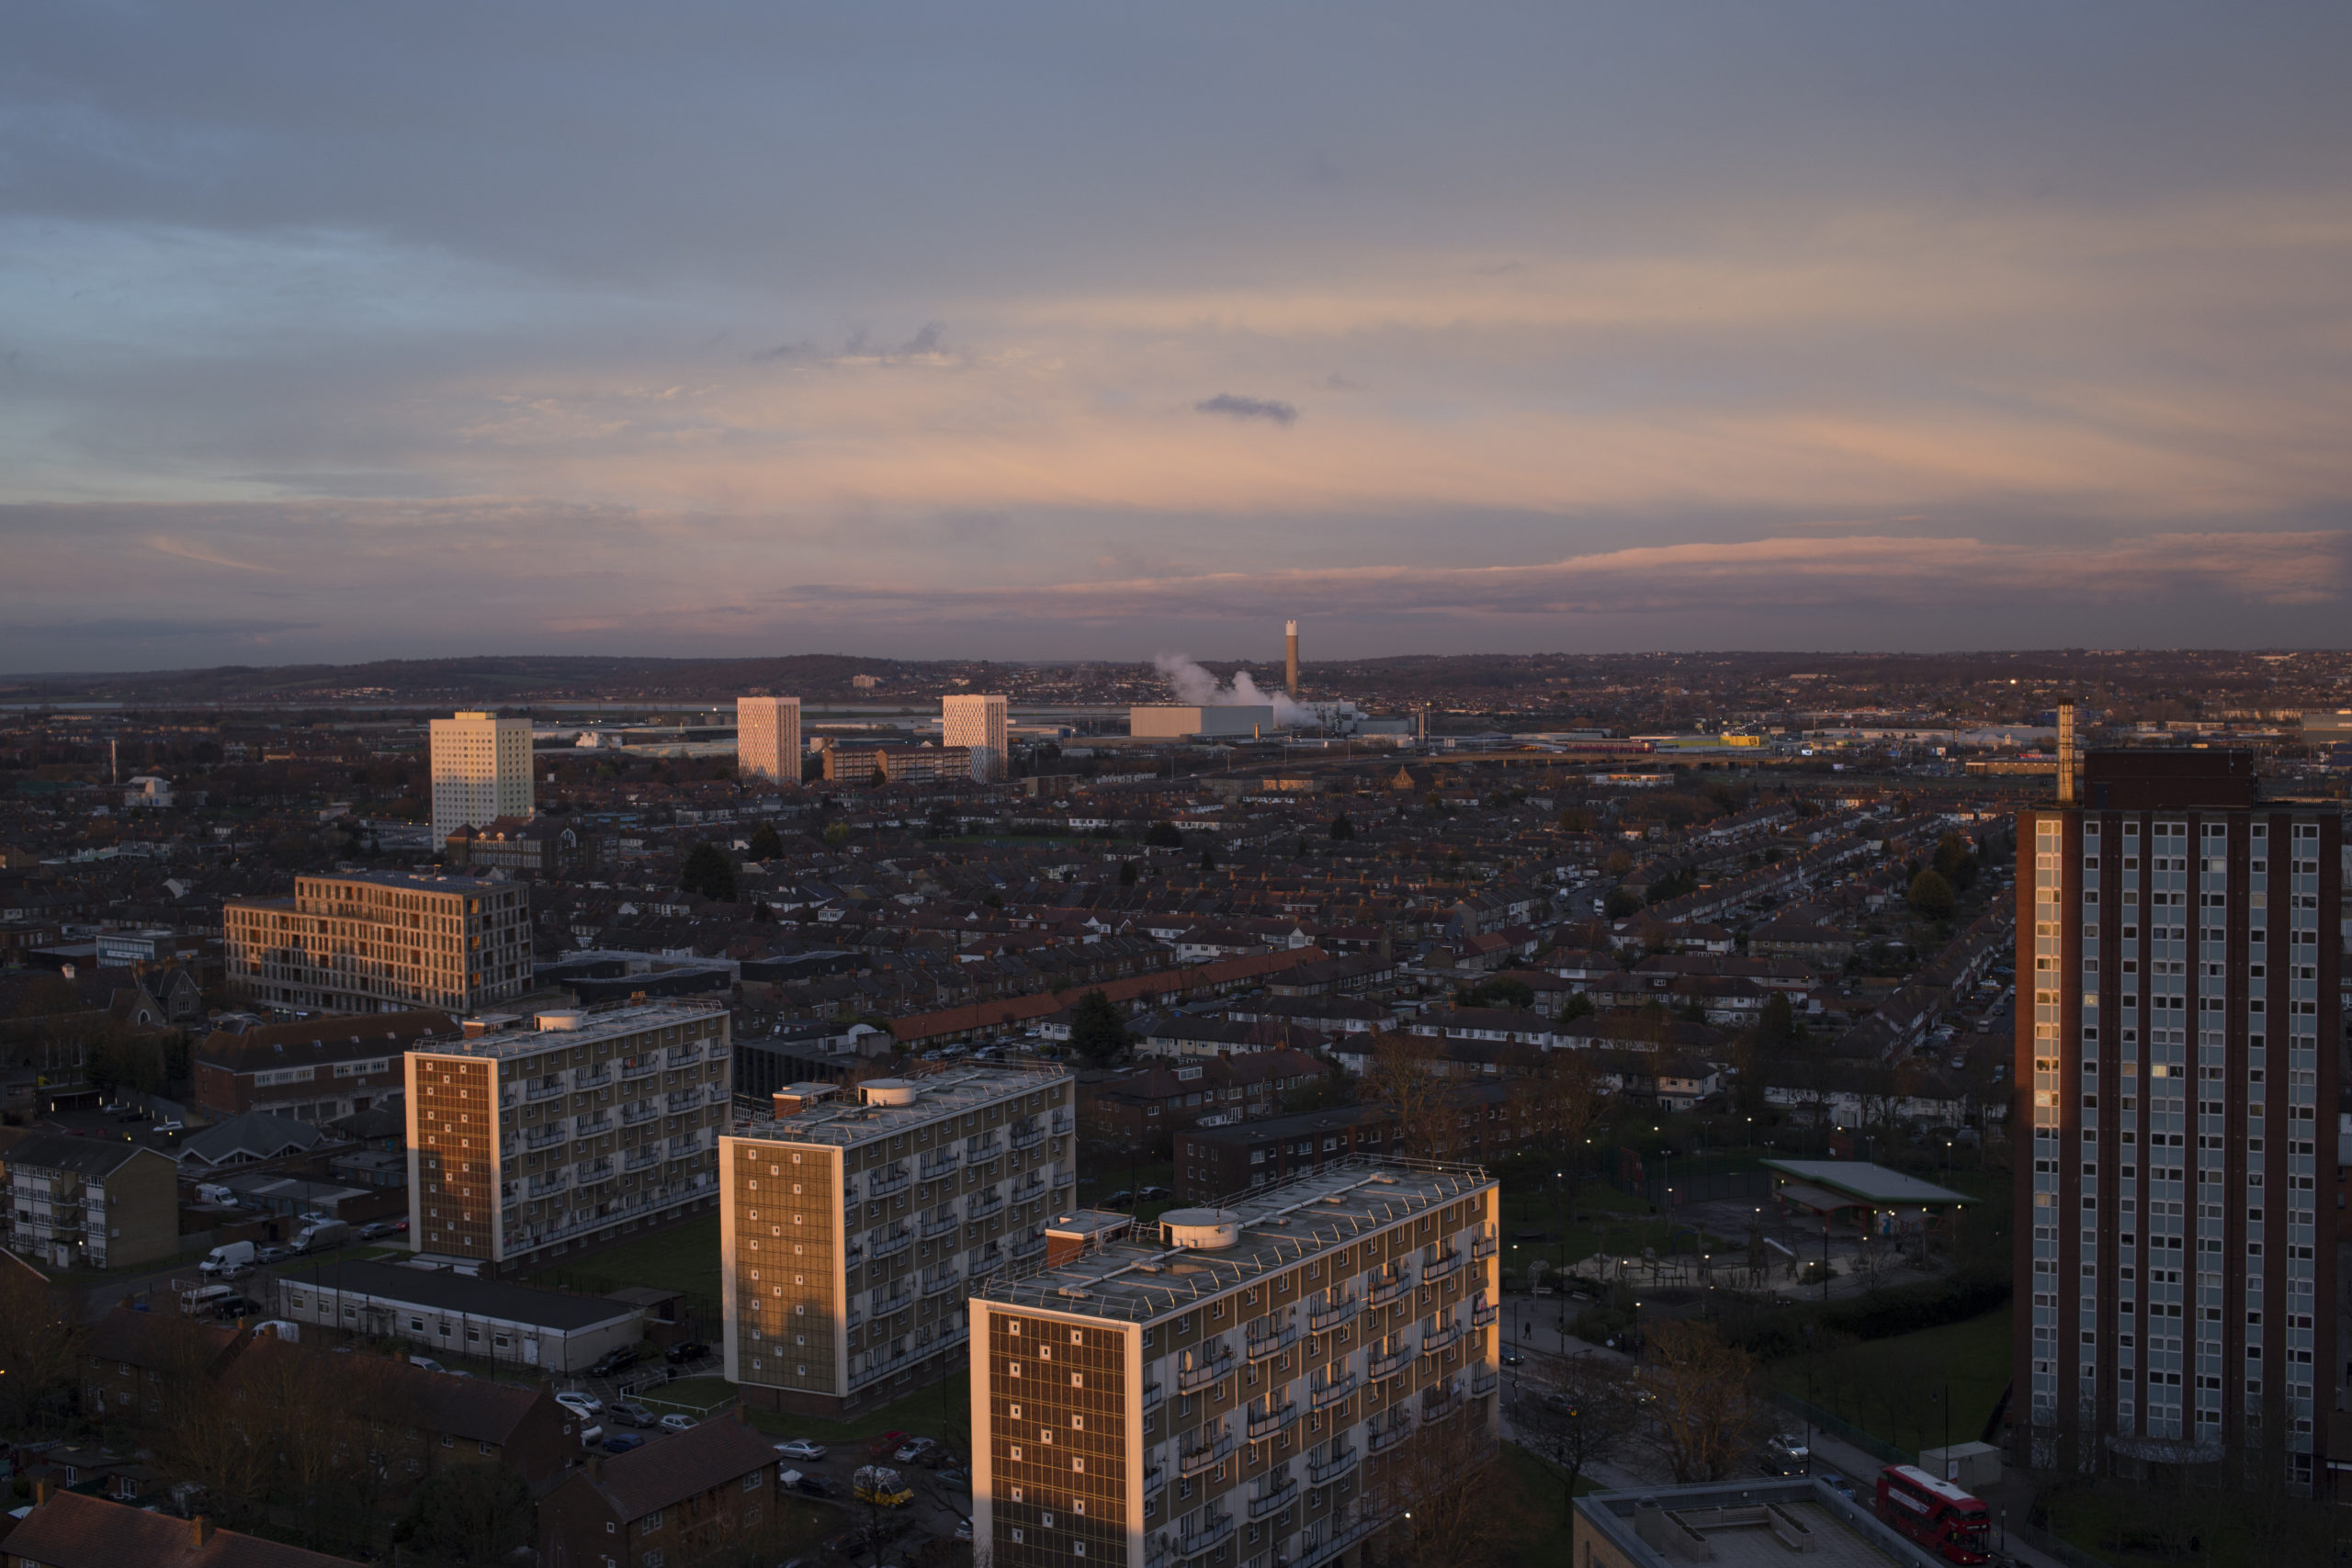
[(1439, 1491), (879, 779), (1164, 836), (1126, 873), (1208, 859), (1706, 1414), (1776, 1025), (767, 844), (1931, 896), (1503, 991), (1620, 903), (1096, 1030), (836, 834), (41, 1342), (1955, 860), (467, 1514), (1565, 1103), (708, 872), (1402, 1078), (1579, 1006), (1582, 1414), (1342, 829)]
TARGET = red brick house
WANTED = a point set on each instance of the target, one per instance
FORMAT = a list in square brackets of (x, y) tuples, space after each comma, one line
[(66, 1529), (316, 1069), (666, 1505)]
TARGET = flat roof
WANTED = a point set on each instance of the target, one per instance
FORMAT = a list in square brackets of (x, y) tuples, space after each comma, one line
[(409, 882), (524, 1039), (445, 1291), (842, 1121), (1139, 1279), (1745, 1522), (1859, 1181)]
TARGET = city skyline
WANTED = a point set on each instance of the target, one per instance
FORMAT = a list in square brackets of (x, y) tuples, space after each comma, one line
[(331, 336)]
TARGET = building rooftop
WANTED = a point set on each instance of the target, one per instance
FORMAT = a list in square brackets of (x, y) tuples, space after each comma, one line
[(1744, 1522), (409, 882), (1144, 1276), (447, 1292), (1862, 1182), (841, 1118), (509, 1035)]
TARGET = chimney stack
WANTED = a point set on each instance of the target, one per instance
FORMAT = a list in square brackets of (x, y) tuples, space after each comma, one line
[(1290, 659), (200, 1529), (2065, 754)]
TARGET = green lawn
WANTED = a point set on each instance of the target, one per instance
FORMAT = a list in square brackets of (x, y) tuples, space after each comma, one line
[(1895, 1387), (697, 1397), (683, 1257), (1545, 1538), (935, 1410)]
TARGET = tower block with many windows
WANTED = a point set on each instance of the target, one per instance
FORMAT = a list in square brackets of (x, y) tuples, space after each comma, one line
[(2177, 1233)]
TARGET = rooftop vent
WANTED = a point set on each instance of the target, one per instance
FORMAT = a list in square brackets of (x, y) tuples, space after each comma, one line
[(1200, 1230), (555, 1020), (888, 1091)]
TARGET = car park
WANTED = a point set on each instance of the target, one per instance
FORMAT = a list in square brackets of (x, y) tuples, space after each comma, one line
[(912, 1449), (800, 1448), (628, 1413), (821, 1486), (375, 1228), (578, 1402), (614, 1362), (886, 1444), (688, 1350), (272, 1254), (674, 1422), (621, 1443)]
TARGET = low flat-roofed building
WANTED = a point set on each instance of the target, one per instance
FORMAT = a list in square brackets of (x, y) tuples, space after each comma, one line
[(441, 1311), (1763, 1523), (1860, 1192)]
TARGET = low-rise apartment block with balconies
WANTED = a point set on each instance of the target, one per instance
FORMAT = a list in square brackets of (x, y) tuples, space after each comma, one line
[(1240, 1385), (856, 1223), (381, 941), (529, 1138)]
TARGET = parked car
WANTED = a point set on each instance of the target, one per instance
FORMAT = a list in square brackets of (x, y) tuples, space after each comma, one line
[(1153, 1195), (614, 1362), (628, 1413), (912, 1449), (621, 1443), (1786, 1454), (800, 1448), (888, 1443), (674, 1422), (821, 1486), (686, 1350), (1122, 1199), (375, 1228), (272, 1254), (964, 1530), (399, 1227), (578, 1402), (1511, 1358), (427, 1362)]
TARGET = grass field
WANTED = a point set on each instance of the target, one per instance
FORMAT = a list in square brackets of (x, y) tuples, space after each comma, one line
[(935, 1410), (1544, 1540), (683, 1258), (1894, 1389), (697, 1397)]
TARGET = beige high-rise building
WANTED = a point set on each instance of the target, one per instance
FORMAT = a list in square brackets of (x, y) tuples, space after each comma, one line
[(980, 722), (381, 941), (482, 770), (1234, 1386), (855, 1221), (530, 1138), (767, 739)]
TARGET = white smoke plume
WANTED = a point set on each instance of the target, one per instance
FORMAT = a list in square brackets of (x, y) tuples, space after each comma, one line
[(1195, 687)]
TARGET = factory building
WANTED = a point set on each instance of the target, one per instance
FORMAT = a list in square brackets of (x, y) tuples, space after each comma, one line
[(1239, 720)]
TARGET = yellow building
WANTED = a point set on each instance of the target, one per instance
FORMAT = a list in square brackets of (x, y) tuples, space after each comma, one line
[(381, 941), (980, 723), (482, 770), (767, 739)]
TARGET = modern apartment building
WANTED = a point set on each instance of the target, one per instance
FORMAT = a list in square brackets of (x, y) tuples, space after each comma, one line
[(85, 1203), (857, 763), (856, 1221), (767, 739), (528, 1138), (979, 723), (1238, 1385), (2182, 1046), (381, 941), (482, 770)]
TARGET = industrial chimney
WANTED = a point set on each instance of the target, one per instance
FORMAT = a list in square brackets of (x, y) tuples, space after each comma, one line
[(1290, 659)]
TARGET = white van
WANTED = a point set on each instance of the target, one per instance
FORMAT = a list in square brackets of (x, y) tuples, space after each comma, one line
[(226, 1256)]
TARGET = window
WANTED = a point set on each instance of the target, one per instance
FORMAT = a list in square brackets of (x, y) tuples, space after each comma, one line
[(652, 1522), (752, 1481)]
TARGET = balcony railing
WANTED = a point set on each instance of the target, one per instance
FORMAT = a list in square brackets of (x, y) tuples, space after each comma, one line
[(1319, 1471), (682, 1057), (929, 1226), (1389, 1365), (1200, 1374), (593, 1081), (938, 1165), (1024, 1250), (1332, 1393), (1209, 1537), (1257, 1348), (884, 1182), (584, 1128), (942, 1285), (1483, 1383), (984, 1205), (1382, 1292), (1274, 1502), (1483, 1247), (633, 1114), (889, 1304), (1062, 1122), (1155, 1480), (1027, 1137), (1154, 1395), (1195, 1461), (1324, 1315), (1444, 1268), (988, 1263), (542, 1136), (542, 1091), (1386, 1438), (1443, 1339), (639, 1068), (1266, 1422), (641, 1157), (1483, 1313), (892, 1245)]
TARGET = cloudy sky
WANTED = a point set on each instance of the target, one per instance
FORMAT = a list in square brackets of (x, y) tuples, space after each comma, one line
[(1031, 330)]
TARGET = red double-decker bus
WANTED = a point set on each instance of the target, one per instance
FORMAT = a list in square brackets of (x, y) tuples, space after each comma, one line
[(1938, 1515)]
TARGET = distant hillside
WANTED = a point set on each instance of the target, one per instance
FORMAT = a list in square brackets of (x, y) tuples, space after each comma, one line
[(479, 679)]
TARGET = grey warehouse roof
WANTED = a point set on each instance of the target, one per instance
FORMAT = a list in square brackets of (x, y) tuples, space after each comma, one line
[(1864, 1182), (442, 1292)]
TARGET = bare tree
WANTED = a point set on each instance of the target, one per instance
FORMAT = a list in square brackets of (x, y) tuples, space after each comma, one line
[(1705, 1413), (1565, 1103), (1404, 1078), (1575, 1411), (1437, 1490), (40, 1346)]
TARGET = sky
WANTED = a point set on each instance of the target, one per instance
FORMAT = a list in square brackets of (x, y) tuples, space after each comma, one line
[(1081, 330)]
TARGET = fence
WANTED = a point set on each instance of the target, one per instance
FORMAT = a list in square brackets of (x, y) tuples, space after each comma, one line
[(1703, 1183), (1844, 1430)]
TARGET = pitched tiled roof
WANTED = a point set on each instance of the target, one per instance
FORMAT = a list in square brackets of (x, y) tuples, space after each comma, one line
[(669, 1472), (326, 1039), (70, 1530)]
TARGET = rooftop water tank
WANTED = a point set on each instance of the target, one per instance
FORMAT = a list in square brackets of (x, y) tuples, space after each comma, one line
[(888, 1091), (1203, 1230)]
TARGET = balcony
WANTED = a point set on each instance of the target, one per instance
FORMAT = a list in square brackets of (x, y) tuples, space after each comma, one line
[(1332, 1393), (983, 1206), (538, 1091), (1443, 1339), (546, 1136), (1063, 1122), (1386, 1438), (1266, 1422), (1382, 1292), (943, 1162), (1257, 1348), (1207, 1539), (1195, 1461), (631, 1115), (1274, 1502), (929, 1226), (1447, 1402), (1024, 1251), (1444, 1268), (1483, 1313), (682, 1057), (1483, 1248), (888, 1304), (1155, 1481), (1389, 1365), (641, 1157), (892, 1245), (584, 1128), (541, 1186), (643, 1066), (593, 1081), (1200, 1374), (1027, 1137), (882, 1183), (1483, 1383), (1154, 1395), (941, 1285), (680, 1104), (1319, 1471), (1322, 1315)]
